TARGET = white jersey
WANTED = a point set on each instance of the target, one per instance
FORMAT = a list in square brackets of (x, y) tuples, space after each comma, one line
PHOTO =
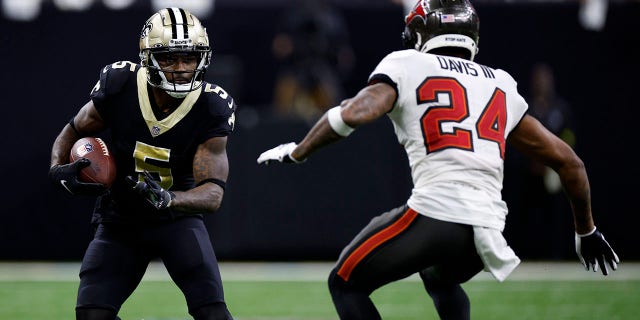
[(453, 116)]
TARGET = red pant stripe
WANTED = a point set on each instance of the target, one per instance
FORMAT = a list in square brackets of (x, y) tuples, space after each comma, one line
[(375, 241)]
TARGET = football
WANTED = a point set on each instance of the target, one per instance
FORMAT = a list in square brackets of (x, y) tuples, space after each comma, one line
[(103, 167)]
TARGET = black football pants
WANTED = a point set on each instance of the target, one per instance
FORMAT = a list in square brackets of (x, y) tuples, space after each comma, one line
[(400, 243), (118, 256)]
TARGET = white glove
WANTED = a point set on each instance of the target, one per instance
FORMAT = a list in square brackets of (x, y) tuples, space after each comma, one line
[(281, 153)]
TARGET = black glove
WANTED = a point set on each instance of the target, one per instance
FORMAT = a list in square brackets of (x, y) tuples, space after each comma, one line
[(594, 250), (158, 197), (66, 175)]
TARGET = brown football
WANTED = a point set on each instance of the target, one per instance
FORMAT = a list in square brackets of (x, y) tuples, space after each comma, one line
[(103, 167)]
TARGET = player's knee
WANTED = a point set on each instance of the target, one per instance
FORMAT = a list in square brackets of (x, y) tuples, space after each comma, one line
[(428, 275), (433, 280), (214, 311), (96, 314)]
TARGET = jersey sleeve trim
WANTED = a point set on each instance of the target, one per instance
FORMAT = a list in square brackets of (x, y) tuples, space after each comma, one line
[(519, 121), (383, 78)]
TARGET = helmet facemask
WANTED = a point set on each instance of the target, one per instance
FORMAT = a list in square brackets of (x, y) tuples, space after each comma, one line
[(174, 32), (165, 79)]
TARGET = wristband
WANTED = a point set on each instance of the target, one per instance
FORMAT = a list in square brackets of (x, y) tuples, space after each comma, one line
[(337, 123), (219, 182)]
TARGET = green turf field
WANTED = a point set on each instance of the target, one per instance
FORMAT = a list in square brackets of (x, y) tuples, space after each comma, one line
[(306, 298)]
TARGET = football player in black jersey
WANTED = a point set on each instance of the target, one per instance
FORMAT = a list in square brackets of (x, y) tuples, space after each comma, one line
[(168, 132)]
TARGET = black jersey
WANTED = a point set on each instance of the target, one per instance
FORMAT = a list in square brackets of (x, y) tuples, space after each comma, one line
[(141, 140)]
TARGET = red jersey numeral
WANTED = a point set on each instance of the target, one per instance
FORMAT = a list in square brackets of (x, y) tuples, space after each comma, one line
[(490, 126), (493, 120)]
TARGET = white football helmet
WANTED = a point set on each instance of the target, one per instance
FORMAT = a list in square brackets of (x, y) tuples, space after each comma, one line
[(174, 30)]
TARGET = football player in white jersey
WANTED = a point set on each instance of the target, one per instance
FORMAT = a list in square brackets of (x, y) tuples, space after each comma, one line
[(453, 116)]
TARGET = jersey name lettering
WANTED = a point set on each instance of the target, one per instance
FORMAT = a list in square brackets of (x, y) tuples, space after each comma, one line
[(458, 66)]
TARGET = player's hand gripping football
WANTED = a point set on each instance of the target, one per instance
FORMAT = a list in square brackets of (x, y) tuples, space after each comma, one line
[(281, 153), (66, 175), (151, 191), (593, 251)]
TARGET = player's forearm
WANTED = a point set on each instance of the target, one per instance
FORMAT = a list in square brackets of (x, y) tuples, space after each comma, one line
[(576, 185), (203, 199), (368, 105), (62, 146), (319, 136)]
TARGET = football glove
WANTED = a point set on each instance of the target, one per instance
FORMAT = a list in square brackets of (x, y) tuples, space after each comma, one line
[(593, 251), (151, 191), (281, 153), (66, 175)]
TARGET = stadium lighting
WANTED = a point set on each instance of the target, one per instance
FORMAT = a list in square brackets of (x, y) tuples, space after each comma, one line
[(117, 4), (202, 9), (73, 5), (21, 10)]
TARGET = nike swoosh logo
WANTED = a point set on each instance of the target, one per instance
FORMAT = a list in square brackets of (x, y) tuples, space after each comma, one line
[(64, 184), (230, 104)]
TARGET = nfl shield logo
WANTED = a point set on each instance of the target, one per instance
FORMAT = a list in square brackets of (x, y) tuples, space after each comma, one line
[(155, 131)]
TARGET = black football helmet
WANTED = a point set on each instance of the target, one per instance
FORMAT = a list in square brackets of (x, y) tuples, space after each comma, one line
[(442, 23), (174, 30)]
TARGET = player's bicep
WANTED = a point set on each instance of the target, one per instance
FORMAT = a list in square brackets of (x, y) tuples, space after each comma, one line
[(210, 161), (88, 121), (532, 139), (369, 104)]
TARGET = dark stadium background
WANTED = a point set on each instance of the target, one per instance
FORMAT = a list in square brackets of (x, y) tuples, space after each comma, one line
[(309, 212)]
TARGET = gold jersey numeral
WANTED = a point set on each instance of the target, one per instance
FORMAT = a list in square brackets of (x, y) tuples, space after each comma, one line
[(143, 152)]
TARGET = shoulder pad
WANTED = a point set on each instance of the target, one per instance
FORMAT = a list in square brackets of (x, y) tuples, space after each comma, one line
[(218, 99), (221, 105), (114, 76)]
